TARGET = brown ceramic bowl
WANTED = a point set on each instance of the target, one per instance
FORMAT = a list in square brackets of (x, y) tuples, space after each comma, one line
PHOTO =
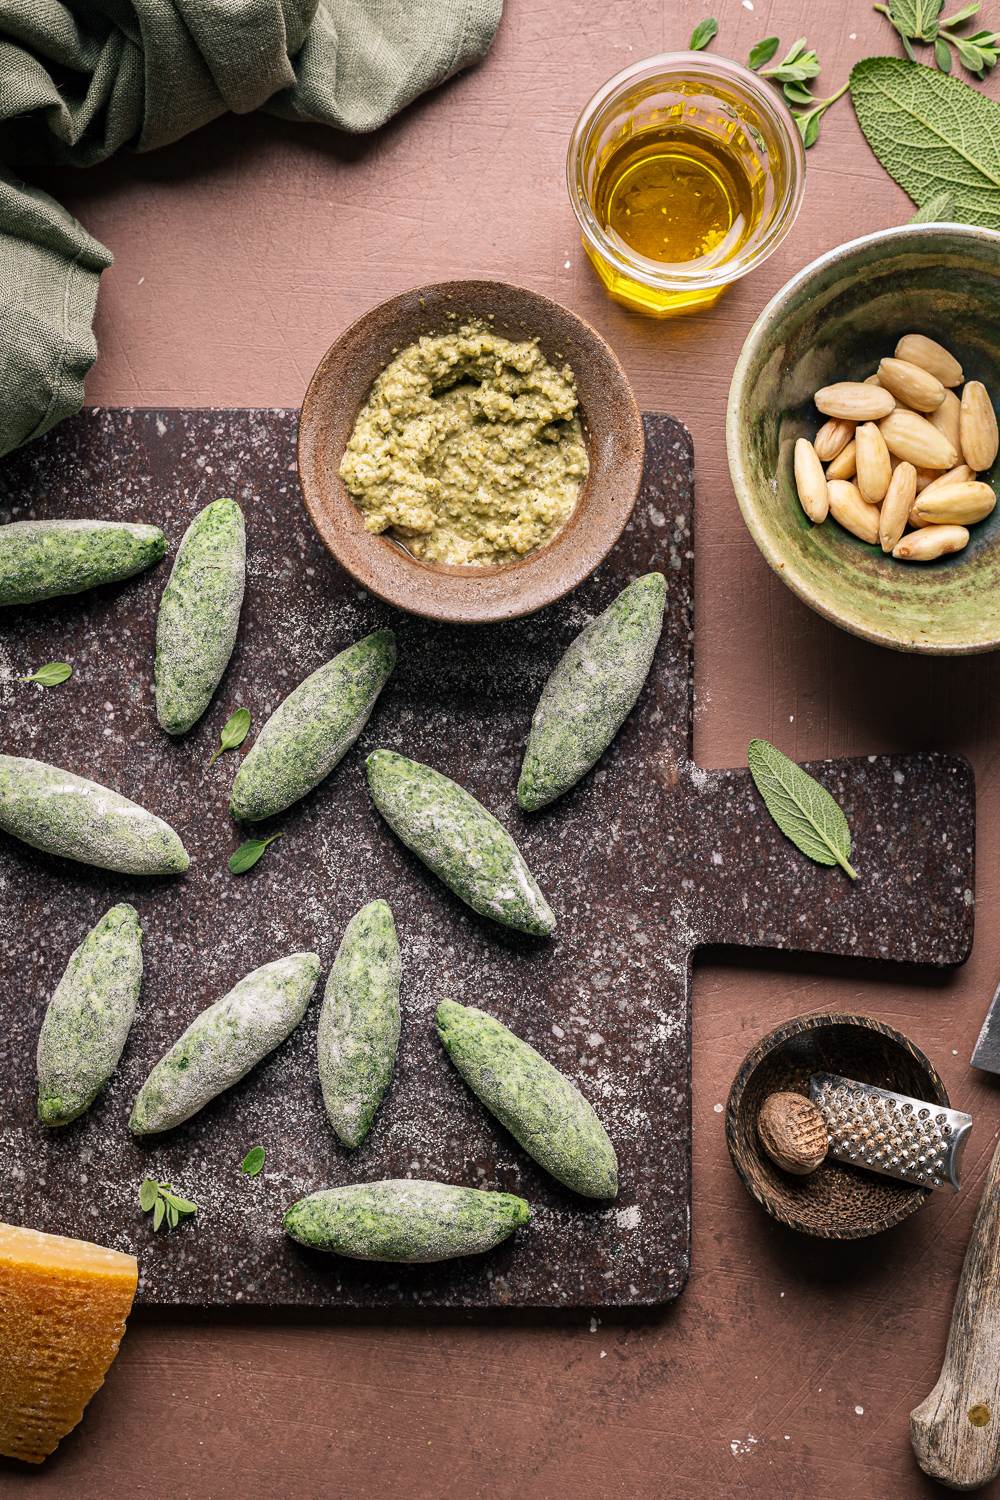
[(837, 1202), (612, 429)]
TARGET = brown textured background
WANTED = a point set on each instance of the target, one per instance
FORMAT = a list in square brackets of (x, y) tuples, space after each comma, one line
[(240, 254)]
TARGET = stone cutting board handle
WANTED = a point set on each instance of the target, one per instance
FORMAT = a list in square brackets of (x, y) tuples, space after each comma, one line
[(956, 1432)]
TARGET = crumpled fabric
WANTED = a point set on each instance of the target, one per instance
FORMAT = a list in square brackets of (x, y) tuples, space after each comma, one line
[(81, 79)]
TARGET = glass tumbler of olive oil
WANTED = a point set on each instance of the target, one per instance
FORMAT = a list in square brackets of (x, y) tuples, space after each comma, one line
[(685, 172)]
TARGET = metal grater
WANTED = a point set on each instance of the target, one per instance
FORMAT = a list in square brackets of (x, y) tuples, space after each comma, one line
[(888, 1133)]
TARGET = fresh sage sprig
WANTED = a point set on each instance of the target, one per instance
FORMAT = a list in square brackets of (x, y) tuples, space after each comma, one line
[(234, 732), (253, 1161), (167, 1206), (920, 22), (249, 852), (51, 675), (803, 810), (703, 33)]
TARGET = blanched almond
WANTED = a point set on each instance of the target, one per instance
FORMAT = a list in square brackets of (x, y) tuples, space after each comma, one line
[(914, 387), (946, 419), (896, 505), (810, 481), (957, 475), (918, 349), (934, 541), (915, 439), (854, 401), (960, 504), (847, 507), (874, 467), (845, 465), (926, 477), (978, 427), (832, 437)]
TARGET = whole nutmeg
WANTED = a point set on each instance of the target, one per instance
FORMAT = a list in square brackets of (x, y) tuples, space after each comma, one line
[(793, 1133)]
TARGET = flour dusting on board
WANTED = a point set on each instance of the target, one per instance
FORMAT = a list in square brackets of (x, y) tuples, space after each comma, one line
[(605, 999)]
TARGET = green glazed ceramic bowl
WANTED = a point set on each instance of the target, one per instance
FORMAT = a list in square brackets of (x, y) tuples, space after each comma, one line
[(834, 321)]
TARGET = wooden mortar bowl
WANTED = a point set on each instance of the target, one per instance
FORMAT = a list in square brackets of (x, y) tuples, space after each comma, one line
[(837, 1201), (471, 595)]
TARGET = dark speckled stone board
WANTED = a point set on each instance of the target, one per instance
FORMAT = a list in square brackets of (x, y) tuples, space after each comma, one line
[(648, 858)]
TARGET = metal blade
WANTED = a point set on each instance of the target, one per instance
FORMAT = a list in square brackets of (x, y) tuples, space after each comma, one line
[(986, 1053)]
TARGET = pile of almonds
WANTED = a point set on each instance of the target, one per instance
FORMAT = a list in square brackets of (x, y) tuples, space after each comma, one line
[(902, 449)]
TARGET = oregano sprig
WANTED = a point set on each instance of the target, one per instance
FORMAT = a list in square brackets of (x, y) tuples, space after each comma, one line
[(799, 63), (51, 675), (804, 810), (167, 1206), (919, 22), (793, 74)]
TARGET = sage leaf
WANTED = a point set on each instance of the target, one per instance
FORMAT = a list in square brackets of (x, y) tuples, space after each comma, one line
[(148, 1193), (159, 1209), (932, 132), (51, 675), (763, 51), (803, 810), (942, 56), (253, 1161), (703, 33), (249, 852), (234, 732), (936, 210)]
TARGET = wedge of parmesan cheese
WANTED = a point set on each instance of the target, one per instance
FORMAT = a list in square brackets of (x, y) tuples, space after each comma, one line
[(63, 1305)]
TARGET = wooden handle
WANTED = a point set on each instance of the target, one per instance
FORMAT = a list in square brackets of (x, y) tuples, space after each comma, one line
[(956, 1432)]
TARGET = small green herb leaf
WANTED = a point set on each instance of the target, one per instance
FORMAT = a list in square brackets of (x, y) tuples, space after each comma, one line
[(942, 56), (763, 51), (167, 1206), (703, 33), (797, 93), (932, 132), (247, 855), (234, 732), (961, 16), (253, 1161), (51, 675), (915, 20), (936, 210), (809, 127), (798, 64), (803, 810)]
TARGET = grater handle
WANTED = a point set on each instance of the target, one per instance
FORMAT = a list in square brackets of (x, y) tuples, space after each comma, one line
[(956, 1432)]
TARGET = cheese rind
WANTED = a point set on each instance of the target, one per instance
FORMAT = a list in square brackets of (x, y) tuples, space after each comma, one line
[(63, 1306)]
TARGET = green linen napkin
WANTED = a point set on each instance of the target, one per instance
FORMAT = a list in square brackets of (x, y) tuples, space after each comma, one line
[(80, 79)]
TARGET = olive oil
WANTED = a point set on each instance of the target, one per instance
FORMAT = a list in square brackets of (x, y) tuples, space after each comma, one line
[(676, 195), (684, 173)]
